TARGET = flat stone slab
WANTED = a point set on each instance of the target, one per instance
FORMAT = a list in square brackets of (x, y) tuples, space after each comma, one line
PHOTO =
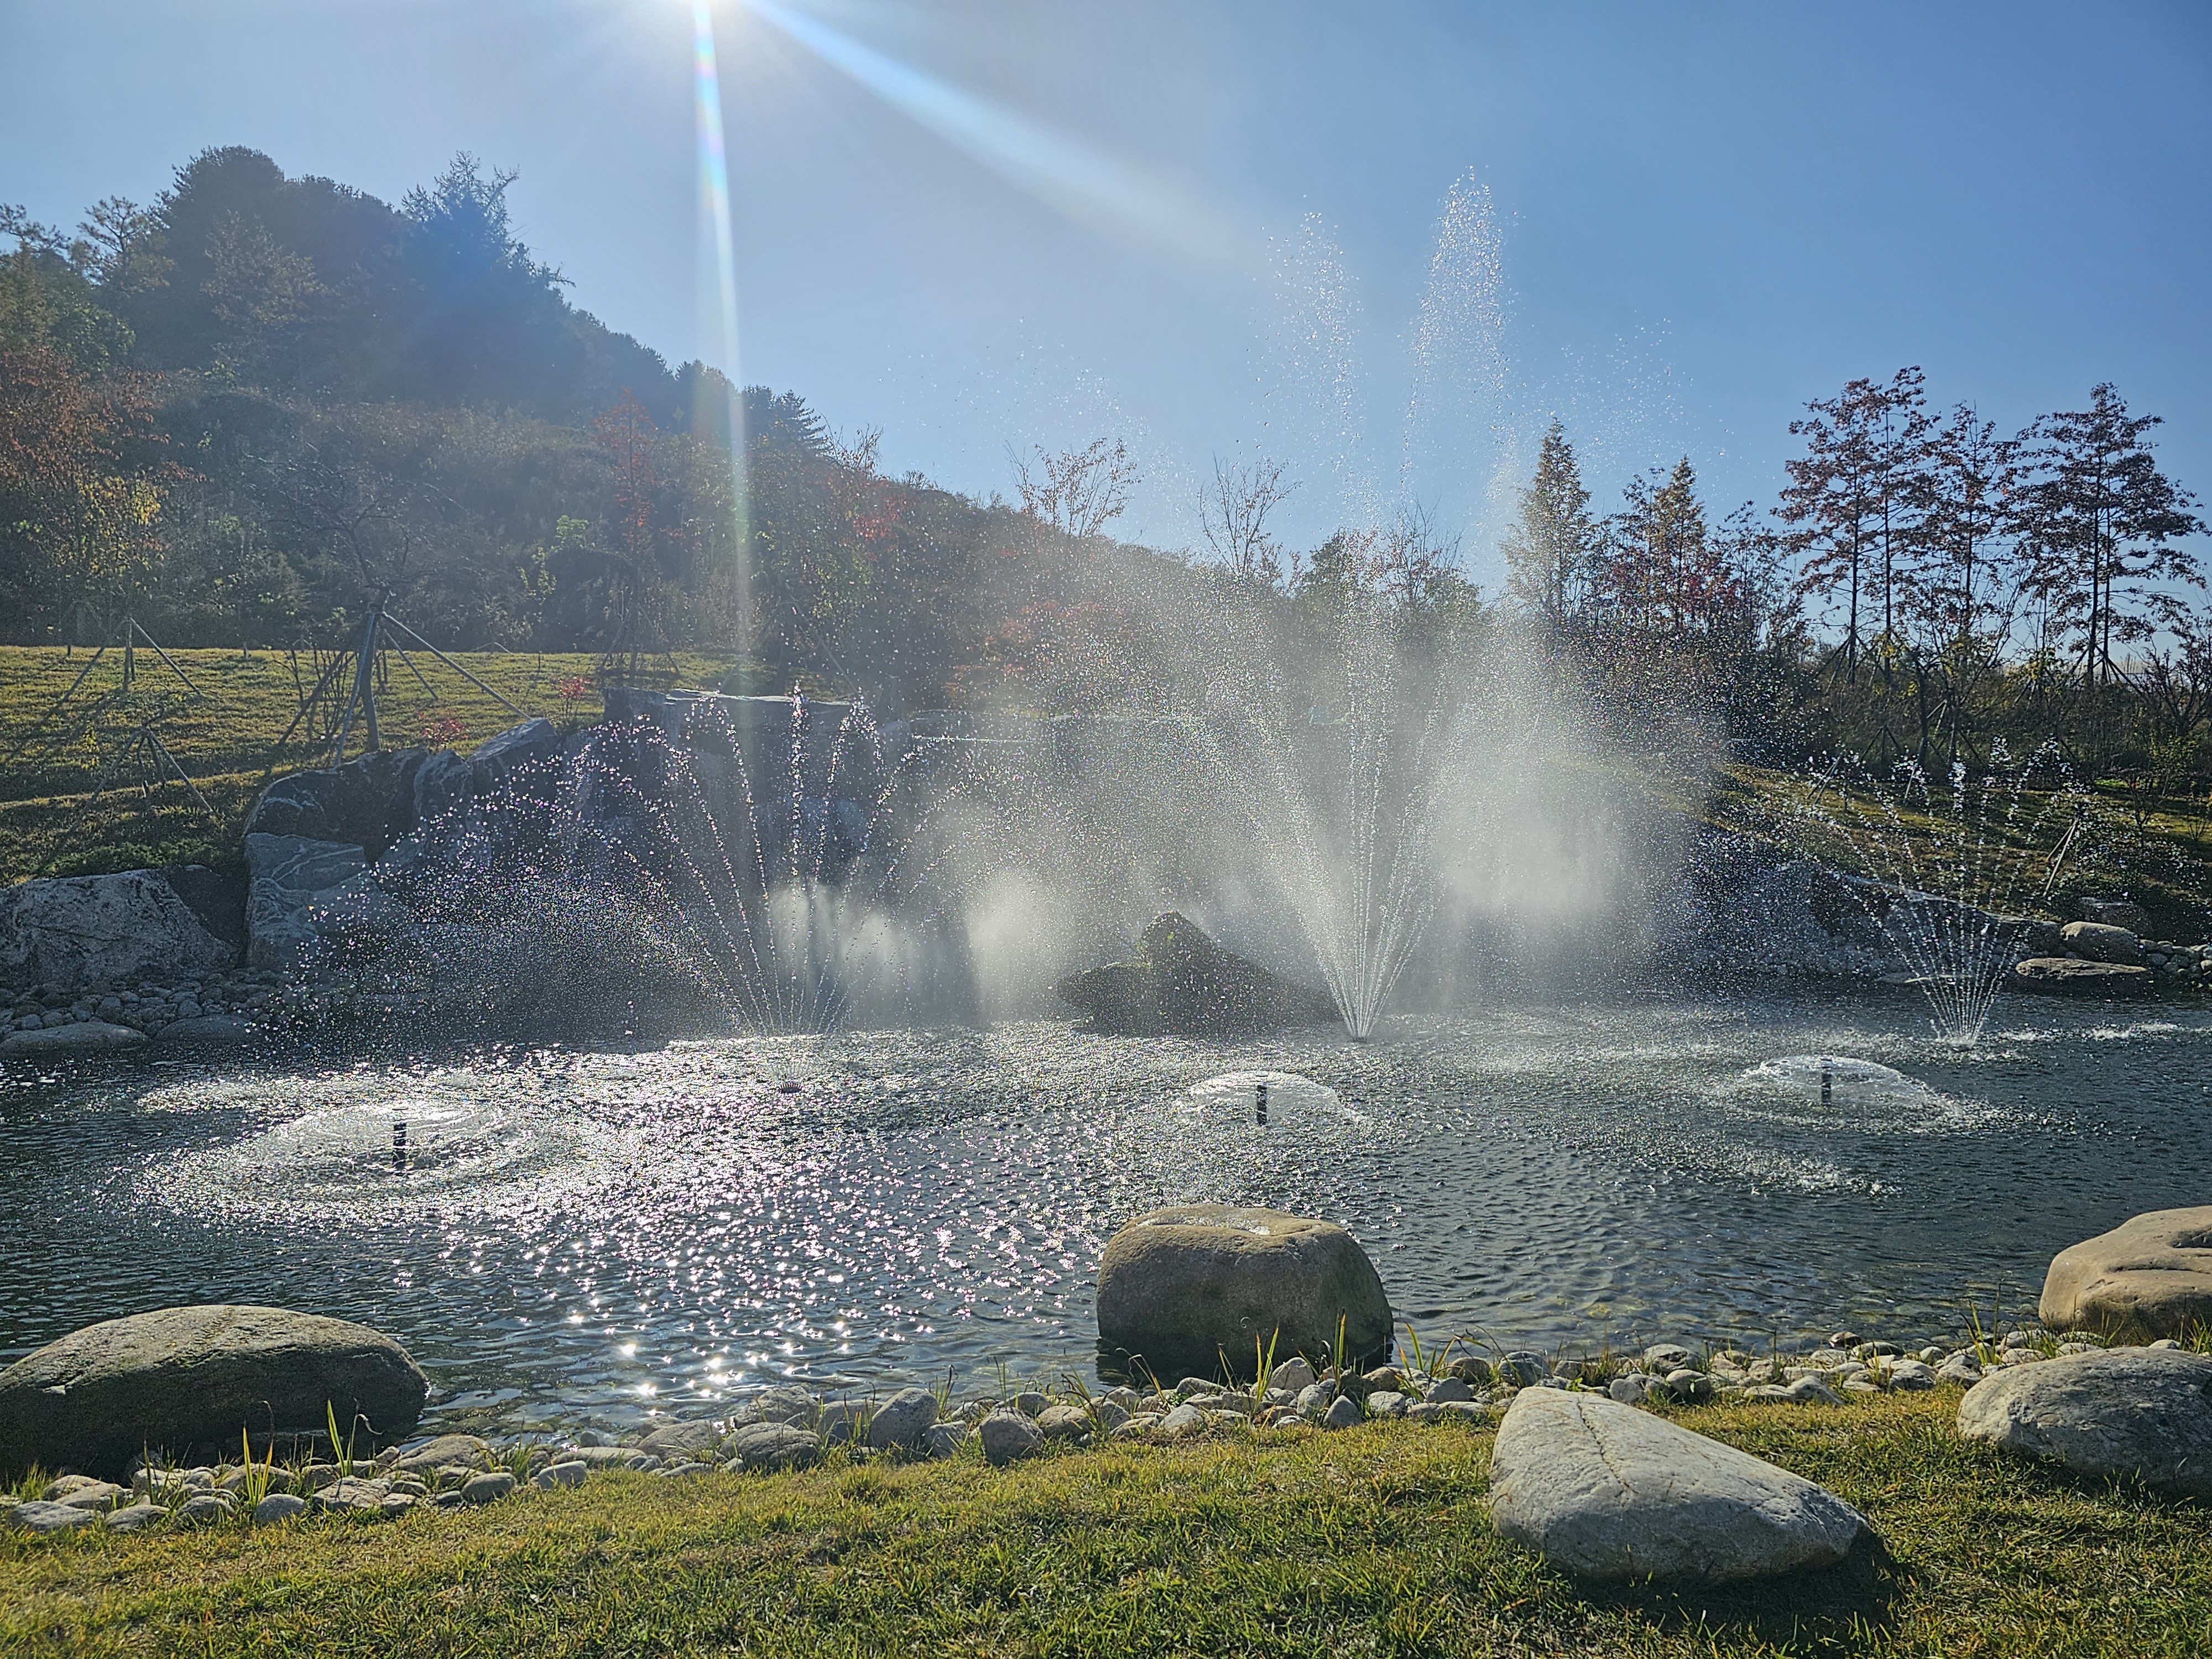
[(84, 1036), (2144, 1412), (1607, 1491), (2149, 1277), (2064, 976)]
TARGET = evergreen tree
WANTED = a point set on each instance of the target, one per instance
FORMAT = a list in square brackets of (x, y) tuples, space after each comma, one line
[(1548, 553)]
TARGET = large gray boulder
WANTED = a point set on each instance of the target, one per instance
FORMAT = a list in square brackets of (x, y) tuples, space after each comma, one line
[(300, 889), (2099, 941), (367, 803), (82, 930), (1605, 1491), (187, 1379), (2144, 1412), (1181, 981), (1184, 1290), (2149, 1277), (498, 758)]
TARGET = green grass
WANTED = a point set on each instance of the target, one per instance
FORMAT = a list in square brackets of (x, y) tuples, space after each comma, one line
[(1374, 1541), (226, 740)]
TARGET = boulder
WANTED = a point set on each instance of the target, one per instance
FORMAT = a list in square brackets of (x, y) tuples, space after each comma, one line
[(1008, 1435), (903, 1419), (210, 1030), (498, 758), (1606, 1491), (444, 1451), (84, 1036), (82, 930), (1182, 983), (2098, 941), (300, 887), (187, 1379), (2064, 976), (1184, 1290), (2144, 1412), (773, 1446), (367, 803), (671, 1438), (2117, 913), (2149, 1277)]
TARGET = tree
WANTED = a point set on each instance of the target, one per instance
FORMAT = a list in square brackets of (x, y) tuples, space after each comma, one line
[(1078, 492), (2101, 524), (1851, 494), (1658, 574), (1233, 517), (1548, 554)]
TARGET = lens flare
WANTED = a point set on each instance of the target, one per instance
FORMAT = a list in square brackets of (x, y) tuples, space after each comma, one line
[(714, 224), (1103, 192)]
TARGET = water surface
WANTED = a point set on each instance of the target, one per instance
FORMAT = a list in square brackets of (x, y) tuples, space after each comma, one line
[(600, 1236)]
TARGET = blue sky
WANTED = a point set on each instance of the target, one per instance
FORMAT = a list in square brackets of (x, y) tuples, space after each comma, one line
[(1213, 229)]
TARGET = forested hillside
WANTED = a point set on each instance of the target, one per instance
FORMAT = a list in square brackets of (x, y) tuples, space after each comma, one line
[(242, 411)]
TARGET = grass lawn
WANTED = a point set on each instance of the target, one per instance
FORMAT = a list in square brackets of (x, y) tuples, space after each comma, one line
[(1373, 1540), (226, 738)]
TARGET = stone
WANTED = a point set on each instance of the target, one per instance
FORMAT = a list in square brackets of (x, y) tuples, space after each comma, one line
[(1387, 1402), (88, 930), (1605, 1491), (1911, 1375), (188, 1380), (1182, 983), (1067, 1422), (1186, 1419), (465, 1451), (1520, 1370), (1806, 1391), (39, 1517), (901, 1420), (842, 1420), (773, 1446), (945, 1439), (369, 802), (353, 1497), (1314, 1399), (1960, 1368), (498, 758), (1029, 1403), (1343, 1412), (2063, 976), (80, 1037), (1689, 1386), (487, 1488), (2151, 1276), (570, 1473), (85, 1494), (1183, 1289), (1009, 1435), (300, 889), (202, 1511), (2144, 1411), (1446, 1390), (135, 1517), (673, 1437), (1661, 1358), (278, 1506), (1292, 1375), (1629, 1390), (685, 1471), (2117, 913), (2097, 941), (1472, 1369), (787, 1402)]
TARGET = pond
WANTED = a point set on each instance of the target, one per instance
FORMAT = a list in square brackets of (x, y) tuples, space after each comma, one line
[(568, 1237)]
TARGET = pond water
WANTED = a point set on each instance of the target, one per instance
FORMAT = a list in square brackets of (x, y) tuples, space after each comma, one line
[(570, 1238)]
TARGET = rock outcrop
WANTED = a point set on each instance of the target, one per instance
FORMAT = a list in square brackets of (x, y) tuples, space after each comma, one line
[(2149, 1277), (87, 930), (298, 888), (2140, 1412), (188, 1380), (1606, 1491), (2098, 941), (1182, 1291), (1182, 983)]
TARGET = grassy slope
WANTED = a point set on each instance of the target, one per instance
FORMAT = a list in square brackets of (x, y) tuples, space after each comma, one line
[(226, 740), (1374, 1541)]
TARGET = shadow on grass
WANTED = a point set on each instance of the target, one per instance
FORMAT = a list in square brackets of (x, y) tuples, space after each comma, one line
[(1833, 1610)]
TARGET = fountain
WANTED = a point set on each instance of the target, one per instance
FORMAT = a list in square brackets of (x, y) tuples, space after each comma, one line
[(1944, 862)]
